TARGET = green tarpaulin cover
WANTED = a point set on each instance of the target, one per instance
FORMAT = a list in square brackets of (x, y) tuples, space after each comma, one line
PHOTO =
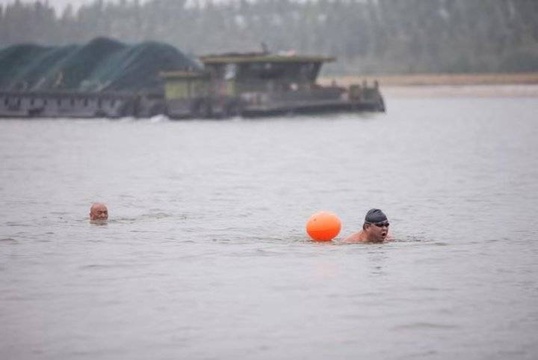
[(102, 65)]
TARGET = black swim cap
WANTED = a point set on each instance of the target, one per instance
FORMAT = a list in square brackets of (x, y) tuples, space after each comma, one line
[(375, 216)]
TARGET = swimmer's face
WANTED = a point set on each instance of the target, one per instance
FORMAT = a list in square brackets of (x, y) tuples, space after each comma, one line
[(98, 212), (379, 231)]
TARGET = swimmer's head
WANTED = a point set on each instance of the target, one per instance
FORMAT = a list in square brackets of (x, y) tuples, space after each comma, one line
[(376, 225), (98, 212), (375, 216)]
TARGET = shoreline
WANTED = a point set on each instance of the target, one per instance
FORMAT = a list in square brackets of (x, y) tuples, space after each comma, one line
[(438, 79), (447, 85)]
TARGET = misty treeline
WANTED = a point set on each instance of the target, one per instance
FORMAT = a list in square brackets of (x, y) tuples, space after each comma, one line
[(368, 36)]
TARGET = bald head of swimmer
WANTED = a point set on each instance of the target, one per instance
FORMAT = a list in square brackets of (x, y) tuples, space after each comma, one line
[(98, 212), (376, 226)]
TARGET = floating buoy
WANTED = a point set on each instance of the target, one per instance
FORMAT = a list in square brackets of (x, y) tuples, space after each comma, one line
[(323, 226)]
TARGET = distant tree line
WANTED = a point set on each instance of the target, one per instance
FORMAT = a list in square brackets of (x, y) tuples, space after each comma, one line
[(367, 36)]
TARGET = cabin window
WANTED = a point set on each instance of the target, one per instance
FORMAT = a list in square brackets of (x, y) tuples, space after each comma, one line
[(308, 71), (263, 71)]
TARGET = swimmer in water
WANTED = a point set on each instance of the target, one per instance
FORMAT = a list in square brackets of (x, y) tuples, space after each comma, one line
[(374, 230), (98, 212)]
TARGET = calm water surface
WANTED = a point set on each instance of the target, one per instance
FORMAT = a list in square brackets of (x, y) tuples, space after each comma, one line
[(205, 255)]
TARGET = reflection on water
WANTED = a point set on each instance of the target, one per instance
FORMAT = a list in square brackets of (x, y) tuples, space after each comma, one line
[(205, 253)]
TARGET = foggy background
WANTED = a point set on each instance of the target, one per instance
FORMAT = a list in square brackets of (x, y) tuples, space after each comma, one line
[(369, 36), (59, 5)]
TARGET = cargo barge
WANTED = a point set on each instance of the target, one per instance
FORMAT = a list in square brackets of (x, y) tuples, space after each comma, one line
[(222, 86)]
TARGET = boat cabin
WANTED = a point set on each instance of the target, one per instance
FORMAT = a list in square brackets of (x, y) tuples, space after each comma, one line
[(260, 84), (236, 74)]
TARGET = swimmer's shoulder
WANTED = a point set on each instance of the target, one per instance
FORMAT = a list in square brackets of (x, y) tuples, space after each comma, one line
[(354, 238)]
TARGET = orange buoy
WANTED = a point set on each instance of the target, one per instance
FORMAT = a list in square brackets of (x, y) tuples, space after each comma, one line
[(323, 226)]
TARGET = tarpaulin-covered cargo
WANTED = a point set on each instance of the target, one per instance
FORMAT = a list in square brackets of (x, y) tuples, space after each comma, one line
[(102, 65)]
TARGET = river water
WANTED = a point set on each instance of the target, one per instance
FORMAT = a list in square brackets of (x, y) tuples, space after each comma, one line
[(205, 254)]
